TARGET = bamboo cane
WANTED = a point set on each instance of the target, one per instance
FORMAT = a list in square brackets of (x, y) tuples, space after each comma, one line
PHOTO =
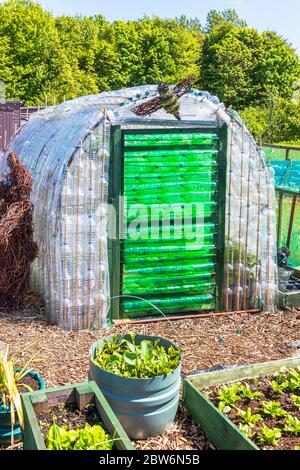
[(257, 232), (237, 296), (65, 251), (228, 290), (291, 223), (77, 233), (246, 277)]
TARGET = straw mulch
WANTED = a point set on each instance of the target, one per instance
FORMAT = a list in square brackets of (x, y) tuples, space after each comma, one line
[(205, 343)]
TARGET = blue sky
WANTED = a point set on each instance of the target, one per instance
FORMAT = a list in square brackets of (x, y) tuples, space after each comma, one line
[(278, 15)]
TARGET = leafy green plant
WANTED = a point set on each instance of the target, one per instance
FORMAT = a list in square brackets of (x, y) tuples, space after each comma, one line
[(246, 392), (248, 417), (297, 448), (11, 381), (268, 435), (292, 425), (88, 438), (247, 430), (277, 387), (296, 401), (145, 360), (281, 376), (223, 408), (273, 408), (229, 395), (294, 379)]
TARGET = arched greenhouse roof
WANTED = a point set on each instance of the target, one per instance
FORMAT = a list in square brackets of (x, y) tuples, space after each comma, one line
[(47, 142)]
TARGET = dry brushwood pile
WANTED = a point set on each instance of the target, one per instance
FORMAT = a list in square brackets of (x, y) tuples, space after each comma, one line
[(168, 99), (17, 247)]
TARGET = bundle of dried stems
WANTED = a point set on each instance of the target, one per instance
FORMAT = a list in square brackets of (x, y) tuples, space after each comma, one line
[(17, 246)]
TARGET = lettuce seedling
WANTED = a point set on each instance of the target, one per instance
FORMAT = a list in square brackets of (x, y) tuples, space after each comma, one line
[(88, 438), (273, 408), (294, 379), (296, 401), (292, 425), (246, 392), (229, 395), (281, 376), (277, 387), (247, 430), (223, 408), (248, 417), (270, 436)]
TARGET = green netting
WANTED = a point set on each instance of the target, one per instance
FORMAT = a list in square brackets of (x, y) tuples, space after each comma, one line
[(159, 263), (287, 175), (287, 180)]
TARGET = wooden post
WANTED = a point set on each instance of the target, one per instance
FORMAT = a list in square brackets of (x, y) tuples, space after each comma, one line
[(289, 237), (115, 178), (280, 218)]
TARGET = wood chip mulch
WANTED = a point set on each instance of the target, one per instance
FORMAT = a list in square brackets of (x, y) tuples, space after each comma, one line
[(205, 342)]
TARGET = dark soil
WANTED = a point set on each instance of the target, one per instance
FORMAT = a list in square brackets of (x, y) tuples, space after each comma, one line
[(287, 441), (70, 415)]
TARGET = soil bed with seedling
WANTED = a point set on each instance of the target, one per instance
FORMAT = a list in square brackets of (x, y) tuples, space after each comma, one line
[(67, 428), (72, 417), (265, 409)]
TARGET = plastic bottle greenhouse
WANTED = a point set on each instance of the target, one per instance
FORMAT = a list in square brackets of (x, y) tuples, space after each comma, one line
[(135, 214)]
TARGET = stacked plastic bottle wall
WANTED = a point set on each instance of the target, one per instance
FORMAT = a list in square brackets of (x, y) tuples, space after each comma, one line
[(80, 299), (68, 157), (250, 246)]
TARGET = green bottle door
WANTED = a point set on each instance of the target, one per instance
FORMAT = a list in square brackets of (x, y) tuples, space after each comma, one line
[(168, 255)]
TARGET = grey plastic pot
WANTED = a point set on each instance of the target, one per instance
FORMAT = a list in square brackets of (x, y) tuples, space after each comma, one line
[(145, 407)]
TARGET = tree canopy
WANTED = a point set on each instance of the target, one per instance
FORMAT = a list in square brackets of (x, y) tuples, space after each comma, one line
[(65, 57), (241, 65), (218, 18)]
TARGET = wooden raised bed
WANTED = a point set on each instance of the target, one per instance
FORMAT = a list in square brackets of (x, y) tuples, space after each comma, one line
[(81, 394), (289, 299), (217, 427)]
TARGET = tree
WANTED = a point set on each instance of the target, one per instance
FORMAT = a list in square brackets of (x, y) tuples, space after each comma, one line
[(241, 66), (167, 50), (256, 120), (78, 36), (219, 18), (191, 24), (278, 66), (147, 51), (30, 53), (280, 122), (227, 66)]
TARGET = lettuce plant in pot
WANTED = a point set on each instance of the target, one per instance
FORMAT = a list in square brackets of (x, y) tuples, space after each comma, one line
[(13, 381), (140, 377)]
